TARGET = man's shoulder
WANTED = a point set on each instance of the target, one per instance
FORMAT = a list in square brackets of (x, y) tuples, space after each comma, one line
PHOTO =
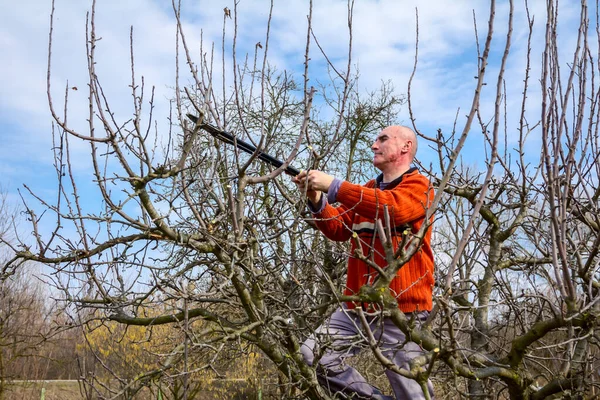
[(416, 174), (413, 176), (409, 178), (371, 183)]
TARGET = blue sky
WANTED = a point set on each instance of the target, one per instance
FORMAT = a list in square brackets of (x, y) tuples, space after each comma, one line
[(384, 48)]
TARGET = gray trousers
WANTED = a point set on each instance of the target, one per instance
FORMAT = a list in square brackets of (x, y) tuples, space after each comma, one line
[(342, 335)]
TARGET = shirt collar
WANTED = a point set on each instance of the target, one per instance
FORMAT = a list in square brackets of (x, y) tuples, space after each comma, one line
[(396, 181)]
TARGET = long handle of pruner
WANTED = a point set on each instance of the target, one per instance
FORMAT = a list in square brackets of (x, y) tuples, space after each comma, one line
[(247, 147)]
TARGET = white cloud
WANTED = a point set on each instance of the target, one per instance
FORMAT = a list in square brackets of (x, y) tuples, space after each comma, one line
[(384, 48)]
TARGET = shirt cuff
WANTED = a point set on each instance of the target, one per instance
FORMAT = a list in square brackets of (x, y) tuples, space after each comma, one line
[(319, 207), (333, 190)]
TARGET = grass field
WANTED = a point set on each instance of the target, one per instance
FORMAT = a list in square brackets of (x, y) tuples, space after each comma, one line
[(52, 390), (69, 390)]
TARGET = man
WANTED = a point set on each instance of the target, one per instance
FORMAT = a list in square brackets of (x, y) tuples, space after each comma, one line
[(406, 194)]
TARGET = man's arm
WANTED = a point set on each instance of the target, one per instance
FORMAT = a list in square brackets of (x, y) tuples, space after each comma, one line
[(334, 222)]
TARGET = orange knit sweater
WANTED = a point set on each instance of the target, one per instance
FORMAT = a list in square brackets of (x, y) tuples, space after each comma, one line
[(360, 206)]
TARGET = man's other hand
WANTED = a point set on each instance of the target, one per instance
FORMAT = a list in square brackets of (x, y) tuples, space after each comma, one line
[(314, 183), (315, 180)]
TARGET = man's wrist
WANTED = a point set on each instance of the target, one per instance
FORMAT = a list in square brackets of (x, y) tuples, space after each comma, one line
[(333, 190), (317, 205)]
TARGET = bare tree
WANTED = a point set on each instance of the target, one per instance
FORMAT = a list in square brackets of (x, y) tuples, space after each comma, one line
[(518, 300), (24, 313), (7, 218)]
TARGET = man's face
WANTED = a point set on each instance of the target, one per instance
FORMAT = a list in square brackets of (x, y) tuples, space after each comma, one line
[(387, 148)]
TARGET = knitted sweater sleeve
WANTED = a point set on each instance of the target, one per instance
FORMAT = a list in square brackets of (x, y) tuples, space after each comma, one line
[(335, 222), (406, 202)]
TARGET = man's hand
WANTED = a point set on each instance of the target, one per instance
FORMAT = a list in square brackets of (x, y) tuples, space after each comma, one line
[(314, 183)]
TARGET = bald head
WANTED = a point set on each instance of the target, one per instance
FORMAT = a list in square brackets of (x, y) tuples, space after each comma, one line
[(394, 150), (410, 136), (407, 136)]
